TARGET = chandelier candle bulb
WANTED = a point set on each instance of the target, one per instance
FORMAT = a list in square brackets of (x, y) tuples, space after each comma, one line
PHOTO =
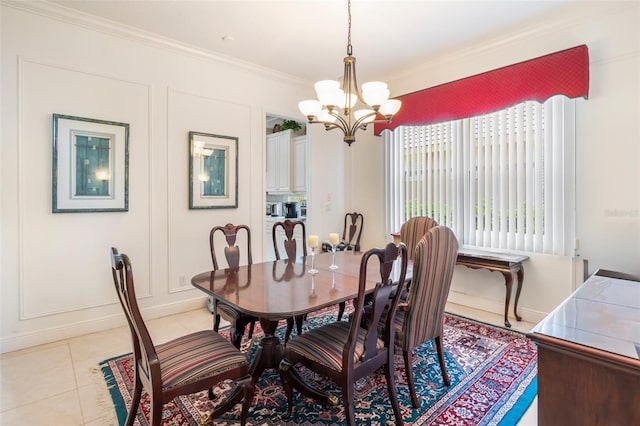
[(334, 239)]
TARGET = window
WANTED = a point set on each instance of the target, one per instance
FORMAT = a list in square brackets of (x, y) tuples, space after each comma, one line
[(503, 180)]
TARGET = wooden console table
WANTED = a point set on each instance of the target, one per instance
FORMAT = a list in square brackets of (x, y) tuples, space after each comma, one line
[(589, 355), (505, 263)]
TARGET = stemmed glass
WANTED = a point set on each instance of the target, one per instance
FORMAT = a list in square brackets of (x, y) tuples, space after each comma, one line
[(313, 245), (313, 286), (333, 241)]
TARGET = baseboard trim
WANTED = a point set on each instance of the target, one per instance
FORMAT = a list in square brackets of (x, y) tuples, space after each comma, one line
[(54, 334), (495, 307)]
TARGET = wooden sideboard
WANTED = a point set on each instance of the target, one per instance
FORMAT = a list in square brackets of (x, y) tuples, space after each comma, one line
[(507, 264), (589, 355)]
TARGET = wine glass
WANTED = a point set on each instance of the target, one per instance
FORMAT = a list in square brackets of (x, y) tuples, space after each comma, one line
[(334, 238), (313, 245)]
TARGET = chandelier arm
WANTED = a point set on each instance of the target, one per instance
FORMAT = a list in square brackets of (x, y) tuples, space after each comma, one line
[(327, 124), (342, 123), (359, 123)]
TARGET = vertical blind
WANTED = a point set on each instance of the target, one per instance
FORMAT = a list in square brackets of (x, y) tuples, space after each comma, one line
[(499, 180)]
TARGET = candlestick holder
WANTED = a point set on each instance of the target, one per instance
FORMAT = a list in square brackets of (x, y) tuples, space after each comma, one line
[(334, 239), (333, 257), (313, 270), (313, 287)]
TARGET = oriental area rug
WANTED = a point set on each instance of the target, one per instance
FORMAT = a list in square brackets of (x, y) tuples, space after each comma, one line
[(492, 371)]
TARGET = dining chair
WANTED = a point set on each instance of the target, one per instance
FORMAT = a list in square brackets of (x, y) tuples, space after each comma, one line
[(420, 318), (290, 245), (232, 254), (345, 351), (352, 231), (413, 230), (185, 365)]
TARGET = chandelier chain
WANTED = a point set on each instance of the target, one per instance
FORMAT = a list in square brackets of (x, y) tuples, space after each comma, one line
[(349, 49)]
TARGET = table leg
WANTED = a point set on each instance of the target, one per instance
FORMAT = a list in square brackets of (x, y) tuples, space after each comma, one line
[(515, 303), (269, 352), (508, 282)]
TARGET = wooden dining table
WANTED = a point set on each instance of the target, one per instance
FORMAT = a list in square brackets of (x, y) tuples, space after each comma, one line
[(281, 289)]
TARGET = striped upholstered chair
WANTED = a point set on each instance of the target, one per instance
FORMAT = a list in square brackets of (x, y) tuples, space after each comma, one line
[(413, 230), (182, 366), (420, 318), (345, 351)]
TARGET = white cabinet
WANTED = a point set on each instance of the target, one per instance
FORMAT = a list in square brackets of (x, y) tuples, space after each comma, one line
[(286, 170), (269, 254), (279, 162), (300, 155)]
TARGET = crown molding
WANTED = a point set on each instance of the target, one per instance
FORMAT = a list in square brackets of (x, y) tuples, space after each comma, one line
[(94, 23)]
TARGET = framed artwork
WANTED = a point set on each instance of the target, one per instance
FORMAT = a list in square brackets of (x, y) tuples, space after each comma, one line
[(90, 165), (213, 171)]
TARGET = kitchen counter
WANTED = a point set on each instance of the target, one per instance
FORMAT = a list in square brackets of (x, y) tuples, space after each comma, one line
[(281, 218)]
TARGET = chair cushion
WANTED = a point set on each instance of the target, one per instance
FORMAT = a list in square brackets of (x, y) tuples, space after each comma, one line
[(228, 313), (197, 355), (324, 344)]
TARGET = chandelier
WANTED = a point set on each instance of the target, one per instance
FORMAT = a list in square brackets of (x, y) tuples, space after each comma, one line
[(335, 107)]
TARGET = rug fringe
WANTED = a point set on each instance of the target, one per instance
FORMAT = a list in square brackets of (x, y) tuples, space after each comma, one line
[(103, 399)]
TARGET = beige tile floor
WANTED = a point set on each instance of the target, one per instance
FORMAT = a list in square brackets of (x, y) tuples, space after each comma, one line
[(59, 383)]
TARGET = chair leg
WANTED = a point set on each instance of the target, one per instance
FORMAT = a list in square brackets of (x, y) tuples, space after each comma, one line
[(242, 391), (443, 366), (347, 399), (389, 371), (285, 375), (252, 326), (155, 414), (249, 388), (287, 334), (235, 333), (299, 320), (409, 371), (135, 401), (341, 307), (216, 322)]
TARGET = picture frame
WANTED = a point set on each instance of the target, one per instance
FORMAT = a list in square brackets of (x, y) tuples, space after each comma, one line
[(90, 165), (213, 171)]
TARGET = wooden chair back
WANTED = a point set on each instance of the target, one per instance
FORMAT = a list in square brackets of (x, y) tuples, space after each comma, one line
[(289, 242), (232, 252), (144, 351), (385, 297), (353, 224)]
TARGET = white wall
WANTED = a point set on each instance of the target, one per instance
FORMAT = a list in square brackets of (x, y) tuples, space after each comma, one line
[(608, 148), (55, 269)]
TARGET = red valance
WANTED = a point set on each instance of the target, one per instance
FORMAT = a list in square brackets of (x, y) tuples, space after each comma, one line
[(561, 73)]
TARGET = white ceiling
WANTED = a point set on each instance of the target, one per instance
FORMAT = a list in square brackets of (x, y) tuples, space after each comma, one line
[(308, 38)]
